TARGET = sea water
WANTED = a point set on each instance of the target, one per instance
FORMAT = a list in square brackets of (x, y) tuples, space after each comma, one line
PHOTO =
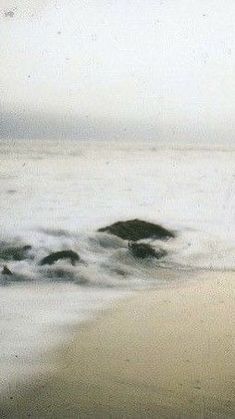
[(54, 195)]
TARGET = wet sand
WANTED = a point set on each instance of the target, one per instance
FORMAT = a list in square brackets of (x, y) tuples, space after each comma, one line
[(166, 353)]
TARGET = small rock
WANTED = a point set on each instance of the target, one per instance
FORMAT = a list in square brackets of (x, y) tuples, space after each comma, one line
[(14, 252), (64, 254), (6, 271), (144, 250)]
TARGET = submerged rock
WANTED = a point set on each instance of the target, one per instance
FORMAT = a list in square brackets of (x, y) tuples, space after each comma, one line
[(16, 253), (6, 271), (61, 274), (144, 250), (64, 254), (135, 230)]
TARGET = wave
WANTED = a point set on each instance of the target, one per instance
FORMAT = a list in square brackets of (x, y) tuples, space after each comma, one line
[(106, 260)]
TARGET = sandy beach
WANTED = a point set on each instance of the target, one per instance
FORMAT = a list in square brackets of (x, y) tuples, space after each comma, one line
[(166, 353)]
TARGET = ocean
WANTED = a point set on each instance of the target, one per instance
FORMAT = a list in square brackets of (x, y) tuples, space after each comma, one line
[(55, 195)]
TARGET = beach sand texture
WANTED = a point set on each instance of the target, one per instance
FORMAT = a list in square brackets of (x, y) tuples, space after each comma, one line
[(166, 353)]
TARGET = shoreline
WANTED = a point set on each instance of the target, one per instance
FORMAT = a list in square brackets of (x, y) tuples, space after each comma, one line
[(165, 353)]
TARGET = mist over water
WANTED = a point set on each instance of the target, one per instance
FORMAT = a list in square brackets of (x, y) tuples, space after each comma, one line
[(162, 71)]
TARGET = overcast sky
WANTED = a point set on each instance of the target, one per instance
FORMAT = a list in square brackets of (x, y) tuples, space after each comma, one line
[(148, 69)]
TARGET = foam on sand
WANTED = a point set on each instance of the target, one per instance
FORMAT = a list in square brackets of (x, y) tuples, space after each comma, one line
[(166, 353)]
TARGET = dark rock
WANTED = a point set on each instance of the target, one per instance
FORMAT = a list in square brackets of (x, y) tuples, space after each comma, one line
[(16, 253), (64, 254), (135, 230), (6, 271), (144, 250)]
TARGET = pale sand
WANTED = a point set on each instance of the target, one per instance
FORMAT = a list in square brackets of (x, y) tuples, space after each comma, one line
[(166, 353)]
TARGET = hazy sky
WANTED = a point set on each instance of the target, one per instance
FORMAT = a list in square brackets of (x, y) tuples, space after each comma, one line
[(159, 69)]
